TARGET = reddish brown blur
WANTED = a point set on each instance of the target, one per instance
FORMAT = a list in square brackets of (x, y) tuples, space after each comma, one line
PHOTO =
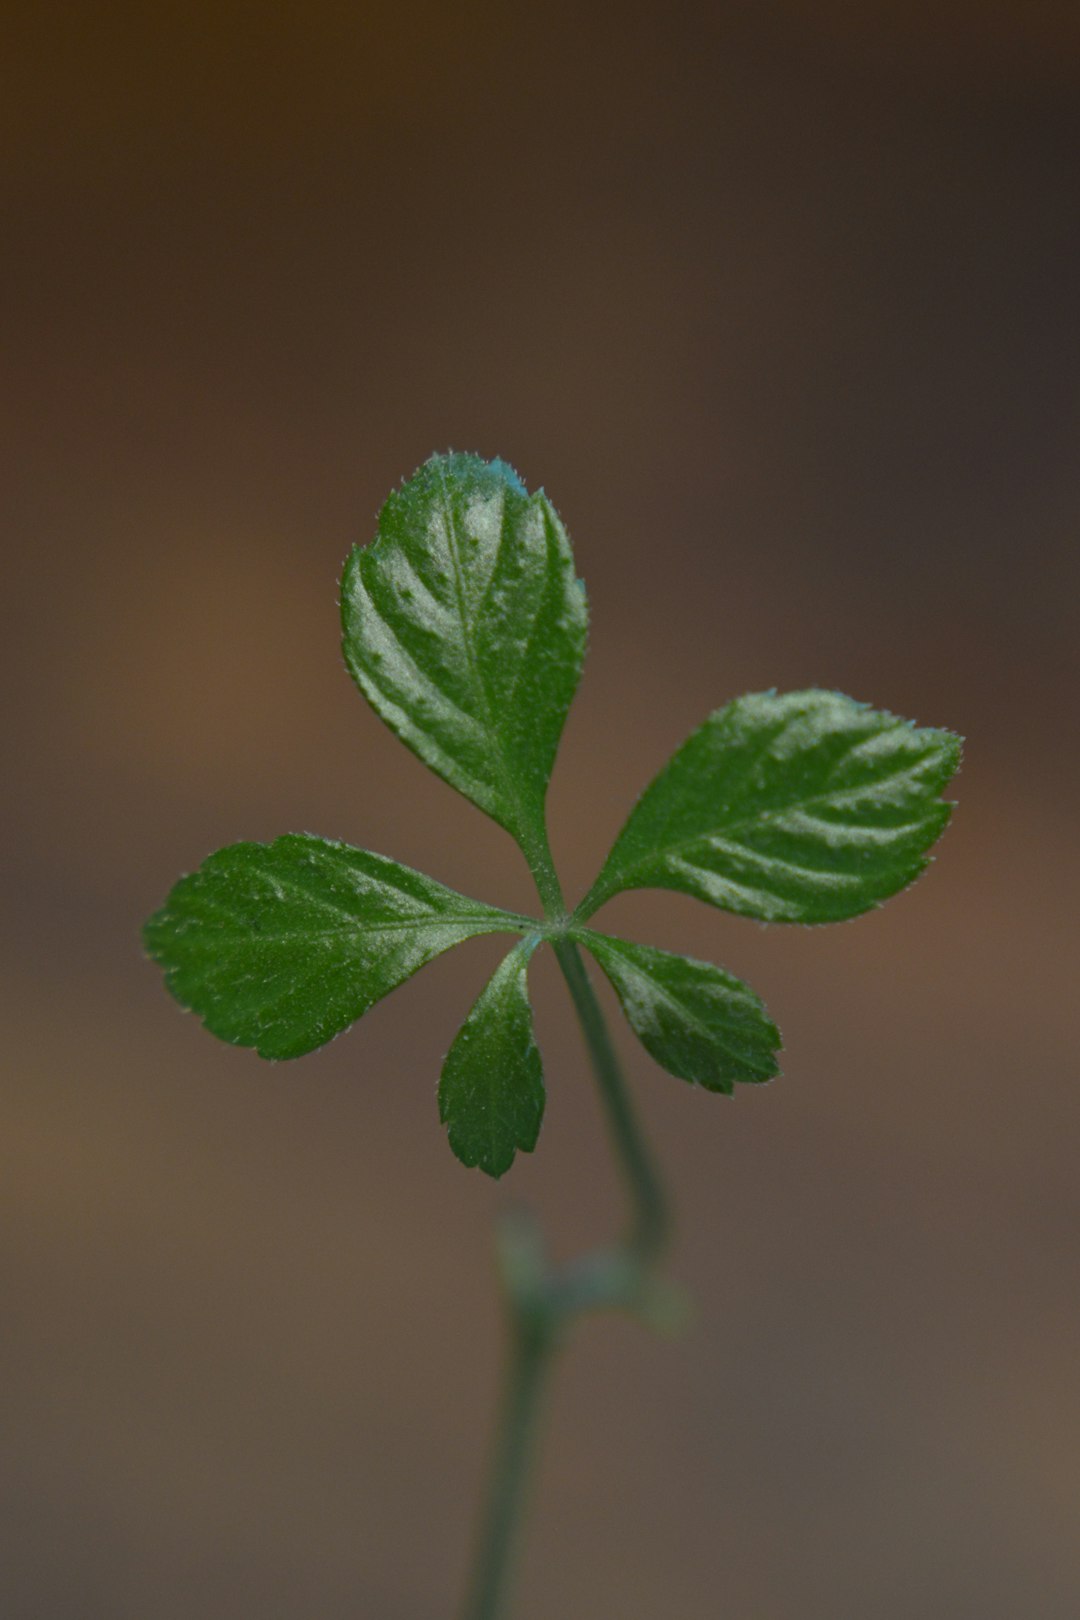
[(781, 307)]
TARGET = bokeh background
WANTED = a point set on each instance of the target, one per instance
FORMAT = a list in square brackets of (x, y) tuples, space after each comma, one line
[(779, 302)]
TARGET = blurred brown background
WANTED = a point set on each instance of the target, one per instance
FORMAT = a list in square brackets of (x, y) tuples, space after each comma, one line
[(779, 302)]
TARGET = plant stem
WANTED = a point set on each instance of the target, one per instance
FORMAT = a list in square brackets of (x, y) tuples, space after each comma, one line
[(537, 852), (542, 1298), (649, 1224), (530, 1359)]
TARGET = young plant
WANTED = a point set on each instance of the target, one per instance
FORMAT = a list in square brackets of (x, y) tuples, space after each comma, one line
[(464, 626)]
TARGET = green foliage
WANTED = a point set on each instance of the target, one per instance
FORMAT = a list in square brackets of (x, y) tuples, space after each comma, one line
[(464, 626), (282, 946), (697, 1021), (805, 807), (491, 1092)]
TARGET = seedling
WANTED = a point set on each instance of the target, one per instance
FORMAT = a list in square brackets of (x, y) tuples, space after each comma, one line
[(464, 626)]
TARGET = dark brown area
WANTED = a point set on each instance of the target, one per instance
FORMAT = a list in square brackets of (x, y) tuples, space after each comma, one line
[(779, 302)]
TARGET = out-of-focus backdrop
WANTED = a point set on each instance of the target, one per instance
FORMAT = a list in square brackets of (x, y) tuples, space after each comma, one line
[(779, 302)]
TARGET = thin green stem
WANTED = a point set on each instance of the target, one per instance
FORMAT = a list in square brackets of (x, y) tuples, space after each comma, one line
[(529, 1362), (537, 852), (542, 1298), (649, 1224)]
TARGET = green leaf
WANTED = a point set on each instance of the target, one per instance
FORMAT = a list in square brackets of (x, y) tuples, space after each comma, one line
[(697, 1021), (803, 807), (281, 946), (491, 1092), (464, 626)]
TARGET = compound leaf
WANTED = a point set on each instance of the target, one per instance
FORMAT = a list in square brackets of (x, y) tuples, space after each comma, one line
[(281, 946), (464, 627), (697, 1021), (491, 1091), (799, 807)]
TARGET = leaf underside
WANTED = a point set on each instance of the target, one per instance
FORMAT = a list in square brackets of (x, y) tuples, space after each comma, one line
[(799, 807), (281, 946), (697, 1021), (491, 1091), (464, 626)]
